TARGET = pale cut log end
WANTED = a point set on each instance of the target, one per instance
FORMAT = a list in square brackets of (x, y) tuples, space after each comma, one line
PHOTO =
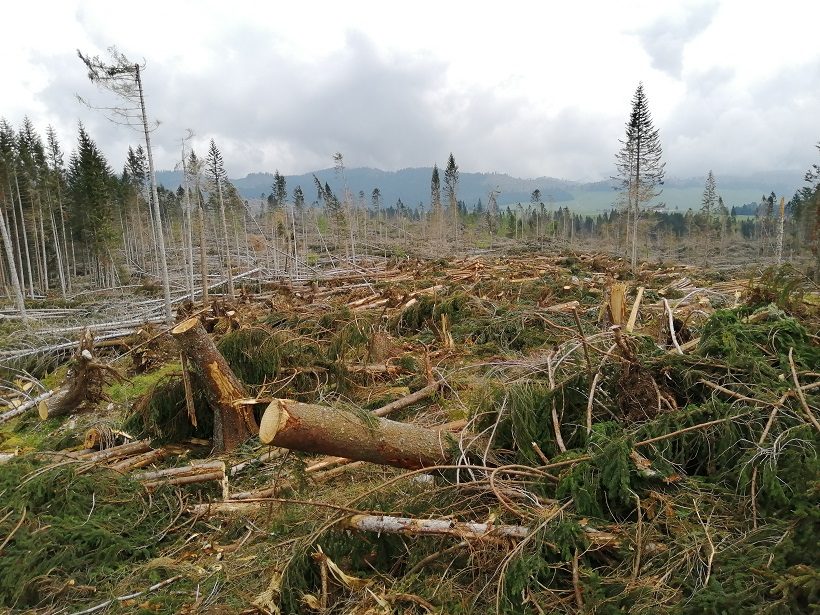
[(274, 418), (185, 325), (42, 410)]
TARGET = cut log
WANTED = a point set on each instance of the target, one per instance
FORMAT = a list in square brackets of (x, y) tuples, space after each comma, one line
[(25, 406), (101, 437), (331, 431), (118, 452), (233, 424), (324, 470), (384, 524)]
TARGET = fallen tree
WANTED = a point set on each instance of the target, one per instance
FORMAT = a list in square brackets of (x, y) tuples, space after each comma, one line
[(83, 386), (354, 435)]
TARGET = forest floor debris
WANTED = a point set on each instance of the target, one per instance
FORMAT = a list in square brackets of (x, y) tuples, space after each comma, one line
[(662, 459)]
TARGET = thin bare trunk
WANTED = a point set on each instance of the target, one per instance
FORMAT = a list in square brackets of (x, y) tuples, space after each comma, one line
[(15, 280), (203, 255), (228, 263), (43, 244), (166, 287), (25, 238)]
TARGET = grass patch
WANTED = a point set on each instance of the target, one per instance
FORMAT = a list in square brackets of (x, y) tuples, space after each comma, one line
[(125, 393)]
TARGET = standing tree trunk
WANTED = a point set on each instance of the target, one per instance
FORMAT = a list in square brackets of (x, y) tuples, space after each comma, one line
[(57, 250), (233, 424), (189, 238), (163, 264), (15, 280), (25, 238), (203, 255), (228, 263)]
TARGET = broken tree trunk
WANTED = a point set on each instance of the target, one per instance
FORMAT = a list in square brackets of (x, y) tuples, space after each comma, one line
[(360, 436), (24, 407), (84, 383), (233, 424)]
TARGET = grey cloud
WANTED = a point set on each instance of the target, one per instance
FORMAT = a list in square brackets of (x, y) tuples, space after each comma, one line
[(268, 111), (665, 39), (265, 110), (746, 131)]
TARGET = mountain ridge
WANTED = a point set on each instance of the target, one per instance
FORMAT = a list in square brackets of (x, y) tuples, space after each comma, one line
[(412, 186)]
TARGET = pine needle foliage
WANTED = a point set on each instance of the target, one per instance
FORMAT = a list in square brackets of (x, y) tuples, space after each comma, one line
[(162, 414), (79, 530)]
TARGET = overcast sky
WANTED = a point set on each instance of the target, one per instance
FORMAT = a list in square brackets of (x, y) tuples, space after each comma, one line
[(526, 88)]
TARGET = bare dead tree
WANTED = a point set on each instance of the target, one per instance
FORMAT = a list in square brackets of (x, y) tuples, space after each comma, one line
[(122, 78)]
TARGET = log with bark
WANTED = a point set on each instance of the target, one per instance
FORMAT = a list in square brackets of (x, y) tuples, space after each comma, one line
[(25, 406), (233, 424), (187, 475), (384, 524), (354, 435)]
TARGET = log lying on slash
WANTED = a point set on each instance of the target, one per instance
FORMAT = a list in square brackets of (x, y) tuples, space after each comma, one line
[(354, 435), (139, 461), (118, 452), (321, 471), (384, 524), (187, 475)]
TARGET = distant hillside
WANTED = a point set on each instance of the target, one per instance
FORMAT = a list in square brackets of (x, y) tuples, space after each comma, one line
[(412, 186)]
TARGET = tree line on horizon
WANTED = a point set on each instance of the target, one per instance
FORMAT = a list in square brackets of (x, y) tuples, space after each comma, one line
[(78, 225)]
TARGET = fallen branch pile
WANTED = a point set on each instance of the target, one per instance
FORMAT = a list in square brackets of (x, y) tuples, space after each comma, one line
[(558, 442)]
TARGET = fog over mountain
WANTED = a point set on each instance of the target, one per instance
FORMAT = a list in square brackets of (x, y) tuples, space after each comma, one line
[(412, 186)]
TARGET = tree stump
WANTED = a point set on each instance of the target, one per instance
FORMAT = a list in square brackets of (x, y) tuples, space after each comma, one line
[(233, 423)]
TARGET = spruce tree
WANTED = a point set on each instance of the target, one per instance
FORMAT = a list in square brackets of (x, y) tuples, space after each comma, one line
[(640, 170), (90, 190), (708, 203), (215, 170), (280, 190), (435, 204), (451, 190)]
